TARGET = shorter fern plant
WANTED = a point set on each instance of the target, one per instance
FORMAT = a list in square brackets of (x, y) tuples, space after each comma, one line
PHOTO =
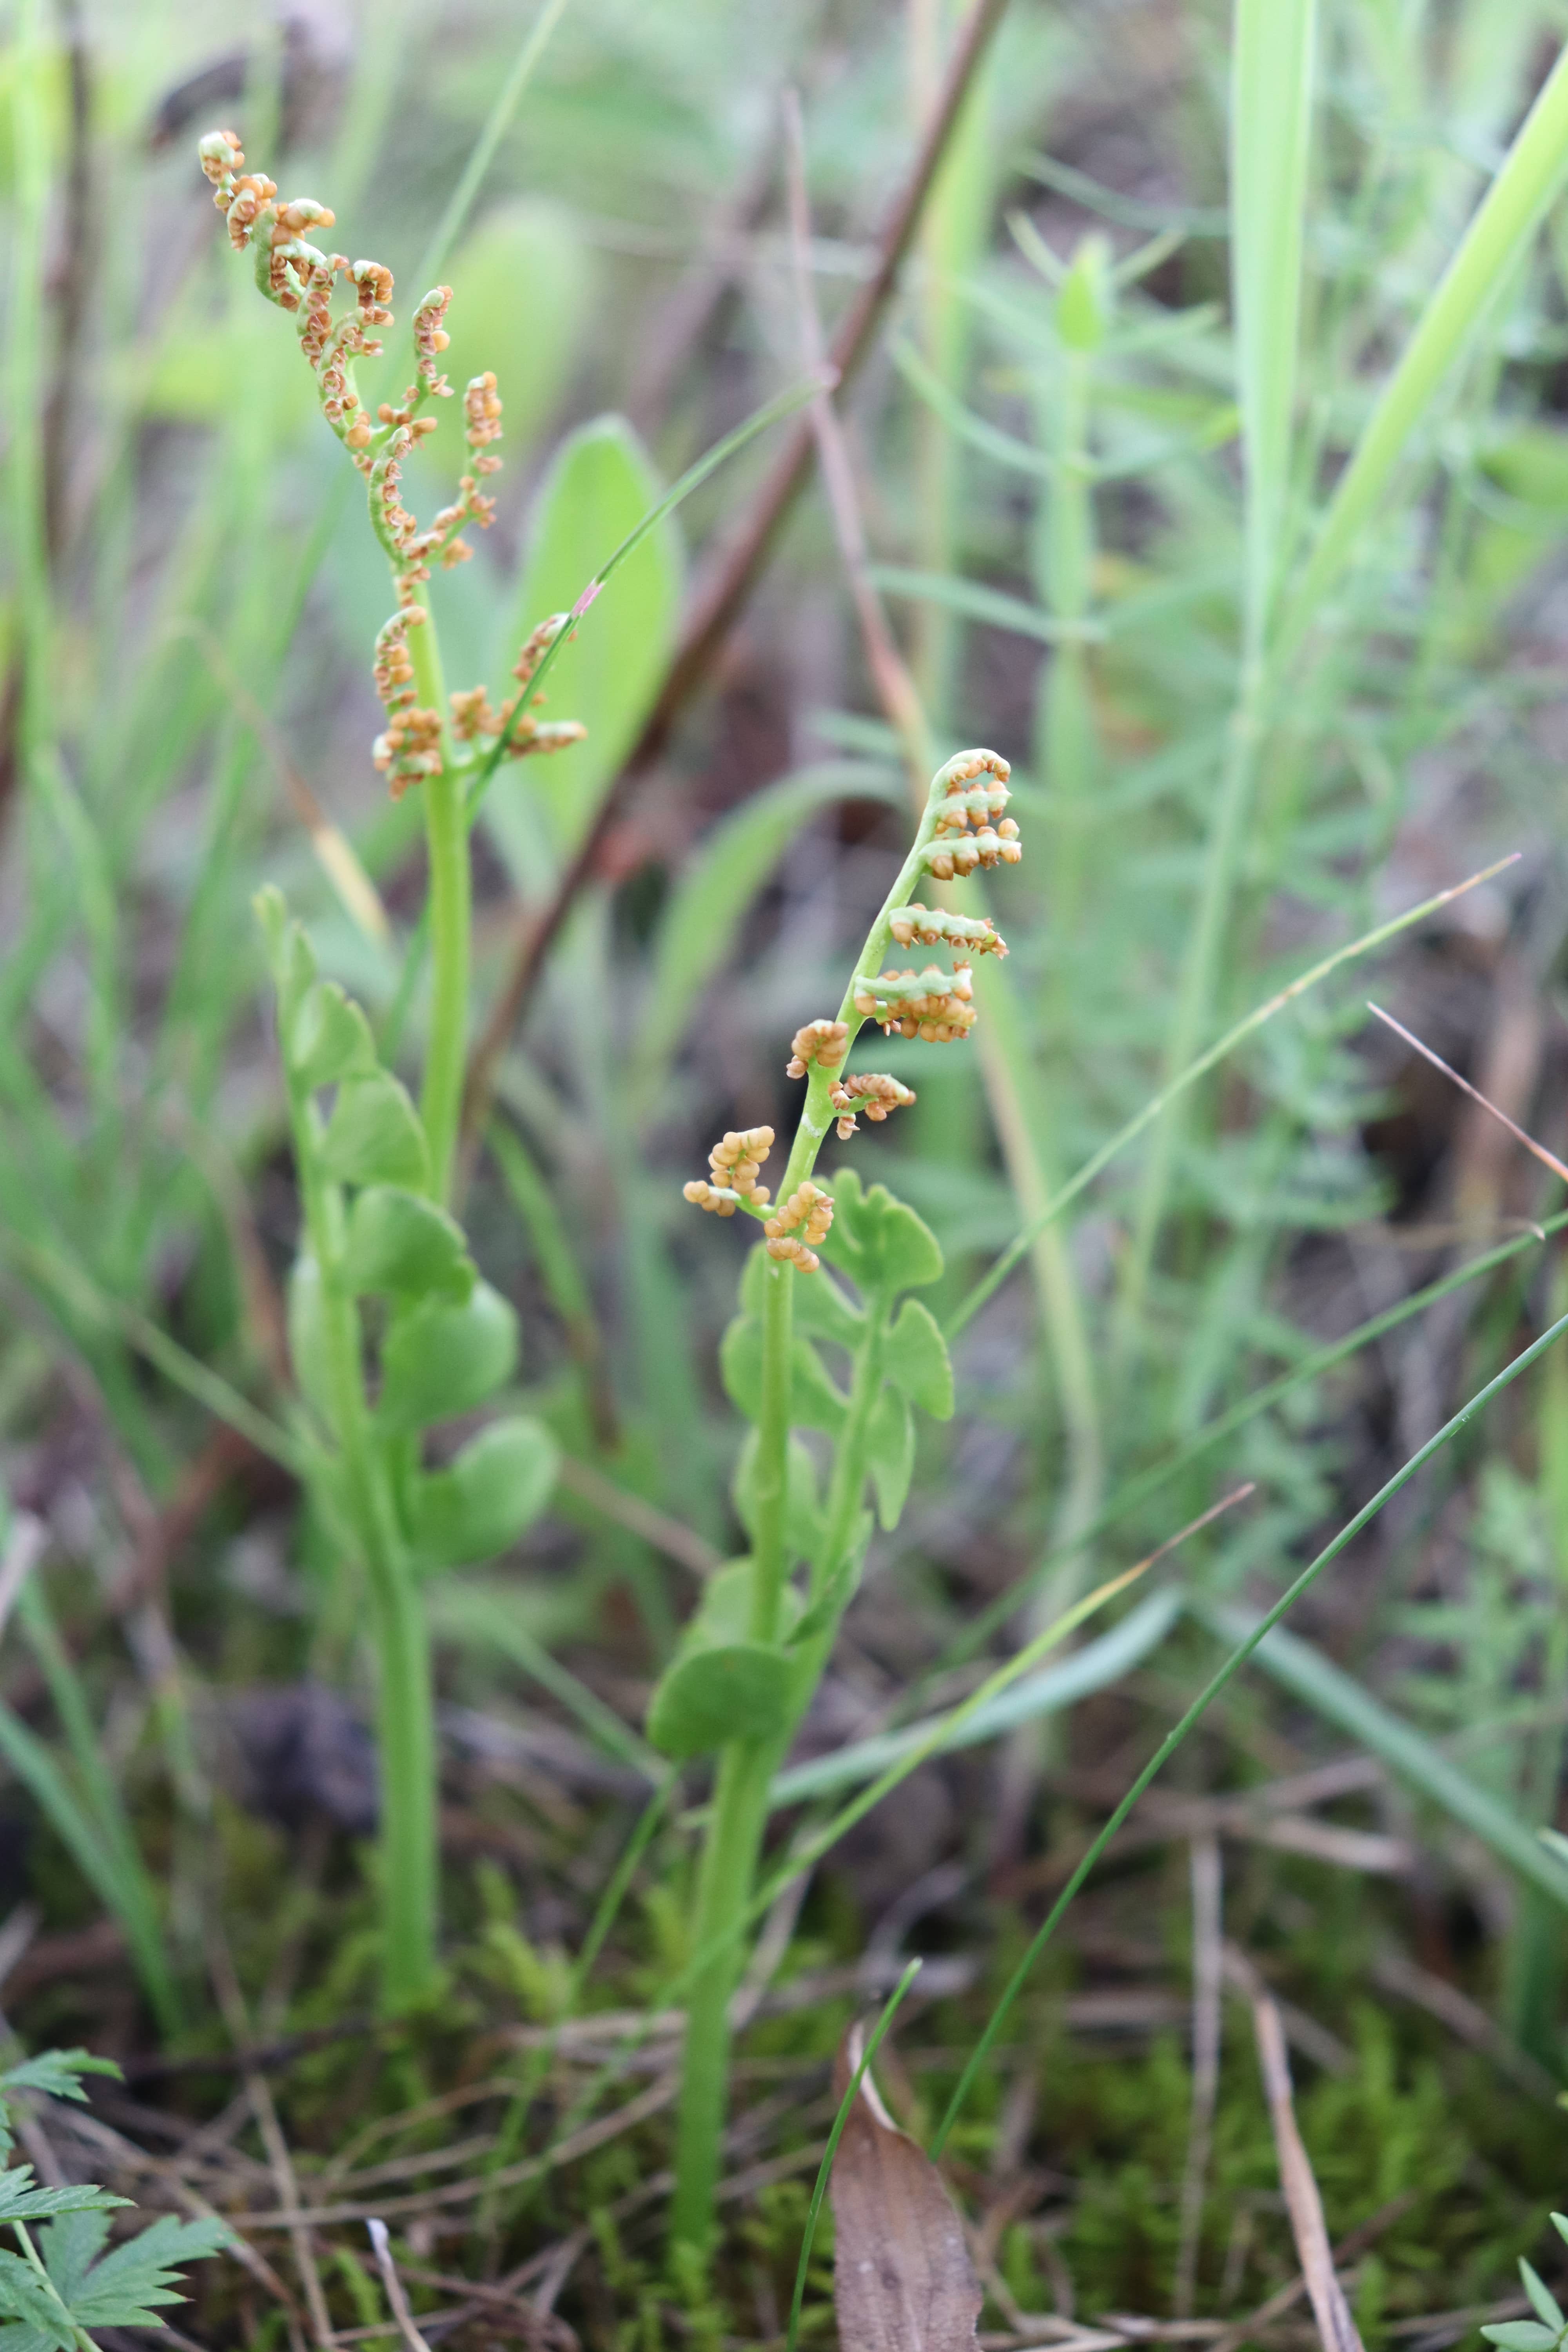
[(62, 2284), (750, 1661)]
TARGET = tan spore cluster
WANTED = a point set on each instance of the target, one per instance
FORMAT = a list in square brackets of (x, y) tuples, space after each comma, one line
[(735, 1163), (805, 1218), (417, 740)]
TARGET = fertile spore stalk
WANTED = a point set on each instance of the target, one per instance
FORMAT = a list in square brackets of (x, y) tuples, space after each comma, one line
[(375, 1176), (750, 1662)]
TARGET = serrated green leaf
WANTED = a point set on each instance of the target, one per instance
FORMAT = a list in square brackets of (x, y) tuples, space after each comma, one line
[(308, 1353), (726, 1691), (878, 1242), (400, 1245), (890, 1454), (328, 1037), (21, 2201), (600, 484), (481, 1503), (125, 2288), (440, 1360), (57, 2072), (815, 1400), (915, 1358), (374, 1136), (23, 2297)]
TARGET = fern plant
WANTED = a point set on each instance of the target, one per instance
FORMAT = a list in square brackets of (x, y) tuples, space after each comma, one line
[(750, 1661), (62, 2284), (391, 1328)]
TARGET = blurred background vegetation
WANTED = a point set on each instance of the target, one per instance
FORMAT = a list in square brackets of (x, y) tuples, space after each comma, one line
[(1050, 484)]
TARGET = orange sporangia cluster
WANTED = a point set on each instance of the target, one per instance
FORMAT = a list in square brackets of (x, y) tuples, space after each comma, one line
[(874, 1091), (481, 403), (956, 850), (823, 1042), (929, 926), (409, 747), (734, 1162), (988, 846), (810, 1209), (300, 279), (933, 1004), (474, 714), (737, 1157)]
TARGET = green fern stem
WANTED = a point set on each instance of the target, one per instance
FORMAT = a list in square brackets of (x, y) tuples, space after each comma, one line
[(404, 1724), (447, 843), (729, 1868)]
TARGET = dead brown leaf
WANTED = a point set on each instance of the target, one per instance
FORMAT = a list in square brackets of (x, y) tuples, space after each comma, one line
[(902, 2279)]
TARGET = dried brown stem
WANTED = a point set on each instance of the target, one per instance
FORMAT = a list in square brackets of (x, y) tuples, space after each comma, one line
[(1336, 2328), (723, 597)]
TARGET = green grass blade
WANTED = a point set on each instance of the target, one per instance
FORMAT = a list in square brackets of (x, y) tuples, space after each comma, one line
[(81, 1297), (449, 226), (1211, 1690), (825, 2169), (979, 1629), (1329, 1692), (1270, 123), (1178, 1086), (126, 1895), (699, 927), (771, 413), (1089, 1669), (1509, 217), (480, 1615)]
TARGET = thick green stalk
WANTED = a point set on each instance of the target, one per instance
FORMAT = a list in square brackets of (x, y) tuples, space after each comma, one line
[(446, 841), (404, 1725), (848, 1484), (729, 1867), (769, 1562), (723, 1897)]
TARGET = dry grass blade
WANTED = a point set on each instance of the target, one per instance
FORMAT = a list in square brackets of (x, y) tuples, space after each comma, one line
[(231, 2000), (1207, 1982), (1335, 2326), (902, 2279), (397, 2301), (1547, 1159)]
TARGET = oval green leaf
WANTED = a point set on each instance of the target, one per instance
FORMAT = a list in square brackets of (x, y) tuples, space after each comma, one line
[(400, 1245), (441, 1360), (737, 1690), (481, 1503)]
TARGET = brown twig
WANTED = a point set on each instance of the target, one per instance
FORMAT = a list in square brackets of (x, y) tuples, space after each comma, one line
[(1547, 1159), (1336, 2328), (231, 2001), (392, 2285), (723, 595)]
